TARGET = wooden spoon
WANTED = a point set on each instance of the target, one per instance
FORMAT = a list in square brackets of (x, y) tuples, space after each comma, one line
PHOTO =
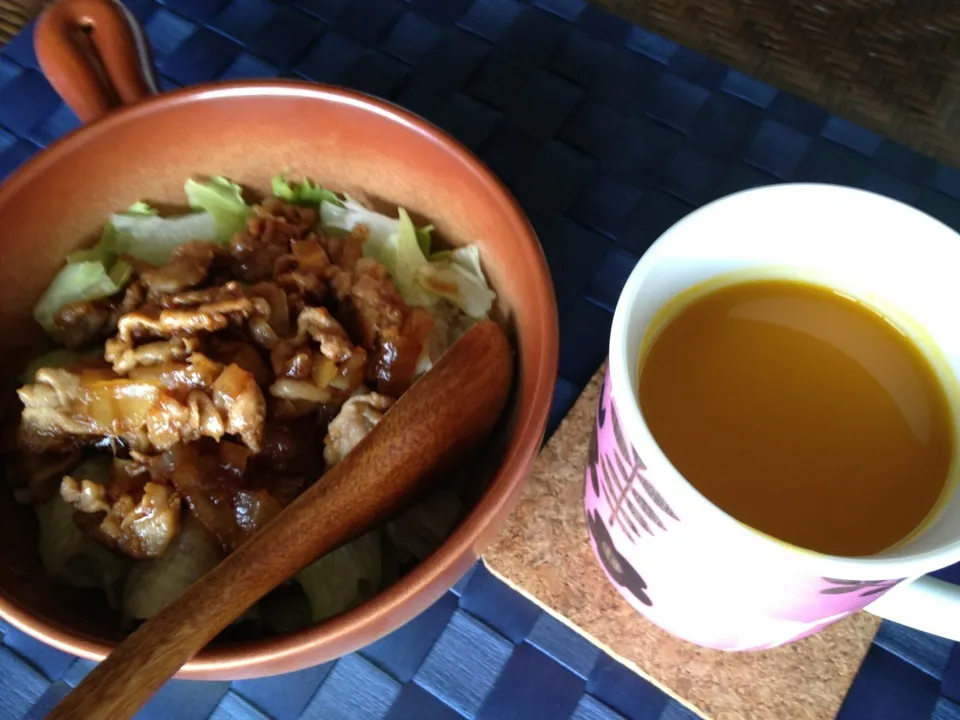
[(443, 415)]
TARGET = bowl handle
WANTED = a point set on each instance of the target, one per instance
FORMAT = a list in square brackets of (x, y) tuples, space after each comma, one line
[(95, 56)]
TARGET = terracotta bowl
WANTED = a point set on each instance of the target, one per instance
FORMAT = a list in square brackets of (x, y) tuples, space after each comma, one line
[(95, 56)]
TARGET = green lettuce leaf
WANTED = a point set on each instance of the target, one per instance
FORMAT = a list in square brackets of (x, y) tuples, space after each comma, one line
[(424, 238), (154, 584), (409, 259), (456, 276), (382, 229), (303, 193), (141, 233), (349, 214), (105, 250), (78, 282), (70, 556), (344, 578), (153, 239), (224, 201), (468, 257), (423, 528), (98, 253), (140, 208)]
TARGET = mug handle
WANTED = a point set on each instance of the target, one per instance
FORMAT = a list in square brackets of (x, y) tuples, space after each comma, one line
[(926, 604), (95, 55)]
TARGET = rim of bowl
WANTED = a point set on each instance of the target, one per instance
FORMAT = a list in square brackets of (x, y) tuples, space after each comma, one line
[(397, 604)]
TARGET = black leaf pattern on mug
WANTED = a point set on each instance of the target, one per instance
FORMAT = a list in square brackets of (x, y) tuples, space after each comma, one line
[(633, 532), (615, 564), (593, 459), (601, 410), (635, 474), (655, 496), (606, 487), (865, 588), (621, 492), (618, 432), (878, 590), (618, 477)]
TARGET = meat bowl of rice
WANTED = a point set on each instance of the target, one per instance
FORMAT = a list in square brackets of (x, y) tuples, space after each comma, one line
[(208, 298)]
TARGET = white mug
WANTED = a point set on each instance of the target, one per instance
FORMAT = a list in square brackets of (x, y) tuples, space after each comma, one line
[(663, 544)]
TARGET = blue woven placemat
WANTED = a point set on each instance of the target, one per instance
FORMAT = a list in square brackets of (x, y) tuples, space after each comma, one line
[(607, 134)]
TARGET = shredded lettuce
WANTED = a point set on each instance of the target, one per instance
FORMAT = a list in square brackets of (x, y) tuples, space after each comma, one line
[(140, 208), (105, 250), (67, 554), (348, 214), (468, 258), (120, 273), (224, 201), (78, 282), (153, 239), (424, 238), (71, 557), (344, 578), (422, 278), (422, 529), (409, 259), (393, 243), (456, 276), (154, 584), (303, 193), (98, 253), (437, 341), (141, 233), (462, 289)]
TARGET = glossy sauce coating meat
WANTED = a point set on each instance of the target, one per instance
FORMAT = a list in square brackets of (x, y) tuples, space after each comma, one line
[(231, 378)]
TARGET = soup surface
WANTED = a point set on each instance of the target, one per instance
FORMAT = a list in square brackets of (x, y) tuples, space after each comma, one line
[(800, 412)]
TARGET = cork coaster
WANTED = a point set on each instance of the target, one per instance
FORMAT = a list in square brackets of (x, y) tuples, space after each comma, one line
[(544, 553)]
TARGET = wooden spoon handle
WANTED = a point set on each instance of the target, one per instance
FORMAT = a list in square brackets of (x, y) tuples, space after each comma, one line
[(450, 409)]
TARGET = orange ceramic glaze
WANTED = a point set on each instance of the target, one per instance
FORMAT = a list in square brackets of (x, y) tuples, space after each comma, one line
[(249, 131)]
